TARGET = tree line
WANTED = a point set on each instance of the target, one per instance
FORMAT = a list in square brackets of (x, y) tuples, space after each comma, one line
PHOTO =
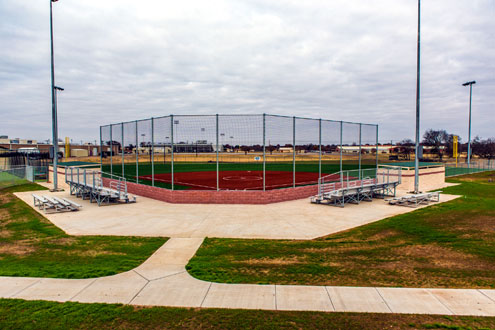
[(442, 144)]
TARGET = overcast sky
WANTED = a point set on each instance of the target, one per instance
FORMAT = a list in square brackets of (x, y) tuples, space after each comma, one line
[(121, 60)]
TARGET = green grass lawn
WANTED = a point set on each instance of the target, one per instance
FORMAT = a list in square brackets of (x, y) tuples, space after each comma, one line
[(20, 314), (32, 246), (446, 245), (8, 180)]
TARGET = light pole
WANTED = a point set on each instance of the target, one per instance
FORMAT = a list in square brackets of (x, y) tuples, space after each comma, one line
[(54, 106), (55, 139), (143, 136), (418, 71), (470, 84), (176, 123)]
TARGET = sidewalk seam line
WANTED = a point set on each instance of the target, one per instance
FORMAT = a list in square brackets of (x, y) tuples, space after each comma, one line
[(276, 306), (159, 278), (479, 290), (331, 301), (85, 287), (27, 287), (135, 271), (431, 293), (130, 301), (204, 298), (384, 301)]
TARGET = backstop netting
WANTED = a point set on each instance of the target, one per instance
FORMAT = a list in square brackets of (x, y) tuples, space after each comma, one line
[(235, 152)]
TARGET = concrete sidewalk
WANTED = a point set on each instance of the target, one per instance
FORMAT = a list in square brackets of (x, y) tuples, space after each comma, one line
[(148, 217), (163, 281)]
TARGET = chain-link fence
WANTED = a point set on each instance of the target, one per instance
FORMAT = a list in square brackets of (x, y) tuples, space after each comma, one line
[(235, 152), (482, 165)]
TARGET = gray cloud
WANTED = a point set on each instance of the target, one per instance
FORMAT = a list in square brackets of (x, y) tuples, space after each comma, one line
[(342, 60)]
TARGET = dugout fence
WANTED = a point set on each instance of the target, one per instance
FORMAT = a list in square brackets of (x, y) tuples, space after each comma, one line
[(235, 152)]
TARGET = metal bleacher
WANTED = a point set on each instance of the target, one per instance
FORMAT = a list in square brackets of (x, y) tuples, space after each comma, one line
[(355, 186), (88, 184)]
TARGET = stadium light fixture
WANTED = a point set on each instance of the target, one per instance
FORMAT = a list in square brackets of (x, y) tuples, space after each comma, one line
[(54, 106), (418, 76), (470, 84)]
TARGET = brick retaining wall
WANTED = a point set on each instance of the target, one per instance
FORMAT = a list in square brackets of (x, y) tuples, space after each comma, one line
[(219, 197)]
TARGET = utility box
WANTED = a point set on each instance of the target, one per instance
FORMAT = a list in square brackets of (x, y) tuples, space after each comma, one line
[(79, 153)]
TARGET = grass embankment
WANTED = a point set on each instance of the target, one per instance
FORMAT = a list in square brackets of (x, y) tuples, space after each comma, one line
[(32, 246), (445, 245), (19, 314)]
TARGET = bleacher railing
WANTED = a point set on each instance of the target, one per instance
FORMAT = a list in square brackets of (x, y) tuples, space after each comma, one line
[(359, 178)]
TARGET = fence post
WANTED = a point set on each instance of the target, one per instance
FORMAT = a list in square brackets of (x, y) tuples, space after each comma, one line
[(111, 151), (294, 152), (377, 147), (101, 152), (319, 156), (152, 152), (218, 179), (359, 166), (341, 128), (172, 151), (137, 153), (264, 153), (122, 146)]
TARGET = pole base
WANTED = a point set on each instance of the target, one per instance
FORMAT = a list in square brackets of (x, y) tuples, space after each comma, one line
[(56, 190)]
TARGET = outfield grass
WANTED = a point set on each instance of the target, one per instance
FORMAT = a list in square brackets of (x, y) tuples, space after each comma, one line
[(20, 314), (446, 245), (146, 169), (30, 245)]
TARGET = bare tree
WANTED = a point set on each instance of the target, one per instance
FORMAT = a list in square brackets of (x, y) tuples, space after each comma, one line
[(406, 148), (436, 139), (483, 148)]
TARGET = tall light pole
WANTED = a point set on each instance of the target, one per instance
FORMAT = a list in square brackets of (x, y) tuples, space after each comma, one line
[(470, 84), (54, 106), (418, 67)]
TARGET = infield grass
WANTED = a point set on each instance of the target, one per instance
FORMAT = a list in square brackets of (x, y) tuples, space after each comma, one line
[(445, 245)]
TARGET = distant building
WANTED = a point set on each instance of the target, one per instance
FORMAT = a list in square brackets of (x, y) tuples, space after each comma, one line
[(4, 139), (382, 149)]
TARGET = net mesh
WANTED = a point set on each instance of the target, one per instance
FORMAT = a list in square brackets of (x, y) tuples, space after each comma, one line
[(368, 142), (307, 151), (279, 151), (194, 152), (241, 156), (162, 152), (130, 144), (235, 152), (105, 143), (330, 146), (350, 146), (144, 171)]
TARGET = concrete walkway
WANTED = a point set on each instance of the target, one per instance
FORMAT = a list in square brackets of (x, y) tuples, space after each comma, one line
[(163, 281), (287, 220)]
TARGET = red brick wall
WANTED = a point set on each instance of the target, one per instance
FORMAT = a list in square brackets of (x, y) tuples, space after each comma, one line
[(219, 197)]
